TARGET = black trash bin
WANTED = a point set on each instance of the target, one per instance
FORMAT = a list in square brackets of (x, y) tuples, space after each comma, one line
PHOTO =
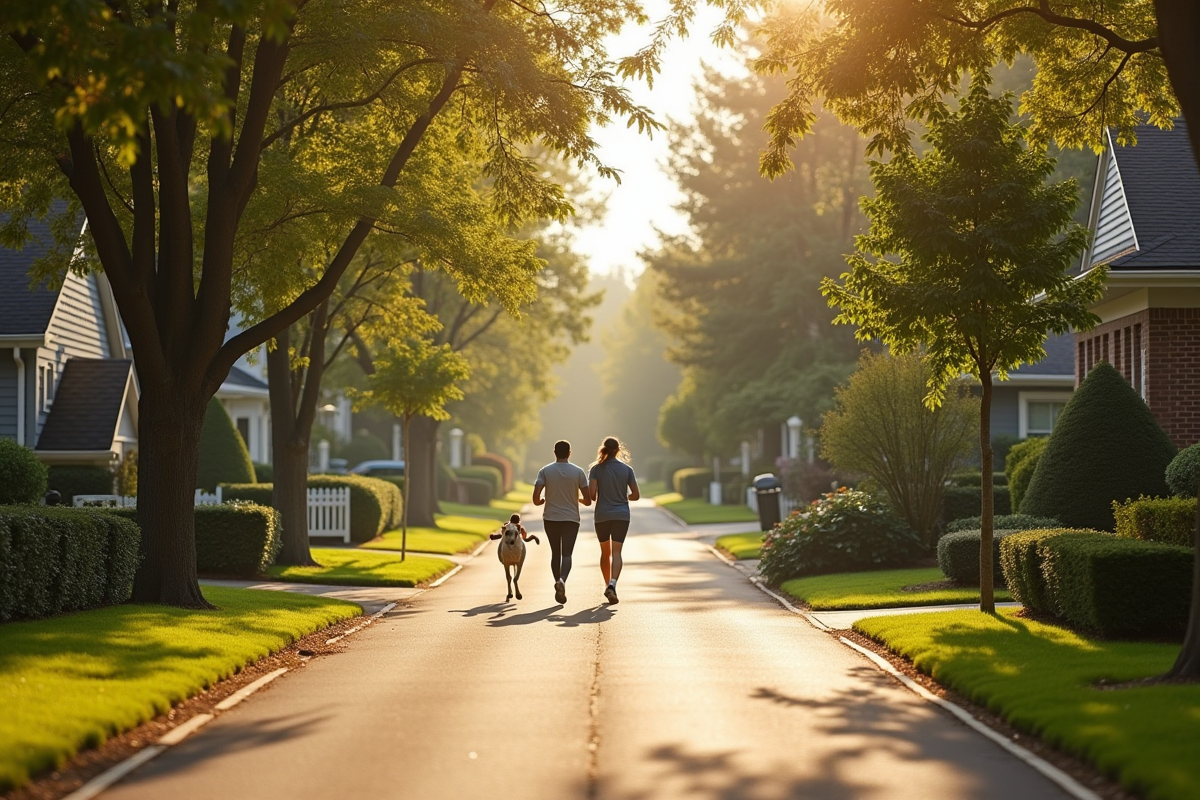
[(767, 489)]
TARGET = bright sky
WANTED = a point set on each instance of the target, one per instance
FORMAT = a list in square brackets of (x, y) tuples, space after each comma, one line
[(646, 197)]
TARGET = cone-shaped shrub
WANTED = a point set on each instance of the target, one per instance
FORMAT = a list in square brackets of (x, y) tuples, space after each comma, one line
[(1106, 446), (223, 455)]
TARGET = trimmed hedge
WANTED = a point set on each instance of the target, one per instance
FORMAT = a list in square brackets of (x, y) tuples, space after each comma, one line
[(499, 462), (1006, 522), (489, 475), (472, 492), (238, 539), (223, 455), (959, 502), (1118, 587), (1020, 465), (976, 479), (22, 476), (72, 480), (1184, 471), (364, 446), (1022, 566), (1170, 520), (661, 468), (958, 556), (445, 480), (264, 473), (692, 481), (376, 505), (55, 560), (1106, 446)]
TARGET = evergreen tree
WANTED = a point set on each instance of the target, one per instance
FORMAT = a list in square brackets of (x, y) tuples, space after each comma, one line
[(223, 455)]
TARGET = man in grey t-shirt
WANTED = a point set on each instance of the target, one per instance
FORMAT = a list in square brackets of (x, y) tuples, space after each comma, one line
[(566, 487)]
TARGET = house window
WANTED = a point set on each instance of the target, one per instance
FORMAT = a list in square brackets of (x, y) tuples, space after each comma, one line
[(1038, 412), (243, 426)]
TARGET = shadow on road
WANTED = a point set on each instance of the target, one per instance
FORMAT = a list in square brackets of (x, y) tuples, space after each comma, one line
[(500, 615)]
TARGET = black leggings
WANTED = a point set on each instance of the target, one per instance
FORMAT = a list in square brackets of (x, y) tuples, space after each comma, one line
[(561, 536)]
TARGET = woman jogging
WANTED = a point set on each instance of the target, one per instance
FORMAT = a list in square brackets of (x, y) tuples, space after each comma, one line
[(613, 486)]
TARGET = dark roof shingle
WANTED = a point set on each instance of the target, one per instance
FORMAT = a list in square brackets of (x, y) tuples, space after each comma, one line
[(239, 377), (87, 405), (1059, 360), (25, 311), (1162, 188)]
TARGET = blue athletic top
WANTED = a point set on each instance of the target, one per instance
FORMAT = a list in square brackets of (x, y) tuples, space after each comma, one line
[(613, 479)]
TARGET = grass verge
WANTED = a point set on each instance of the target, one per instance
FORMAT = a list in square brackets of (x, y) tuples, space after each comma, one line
[(1042, 679), (499, 509), (70, 682), (357, 567), (453, 534), (741, 545), (880, 589), (697, 511)]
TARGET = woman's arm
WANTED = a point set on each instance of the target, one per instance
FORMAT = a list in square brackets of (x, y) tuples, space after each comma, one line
[(634, 492)]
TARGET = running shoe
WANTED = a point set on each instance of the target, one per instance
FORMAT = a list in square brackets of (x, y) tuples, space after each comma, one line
[(560, 592), (611, 594)]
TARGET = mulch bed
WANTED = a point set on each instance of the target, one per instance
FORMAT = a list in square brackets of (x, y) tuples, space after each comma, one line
[(90, 763), (1077, 768)]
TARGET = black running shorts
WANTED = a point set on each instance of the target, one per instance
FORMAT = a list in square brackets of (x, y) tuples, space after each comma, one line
[(614, 529)]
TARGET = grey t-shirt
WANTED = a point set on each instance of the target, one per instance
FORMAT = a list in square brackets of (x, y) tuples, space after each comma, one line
[(613, 479), (563, 482)]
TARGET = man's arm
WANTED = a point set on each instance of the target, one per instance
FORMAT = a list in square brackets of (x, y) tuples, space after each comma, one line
[(634, 492), (537, 495), (585, 494)]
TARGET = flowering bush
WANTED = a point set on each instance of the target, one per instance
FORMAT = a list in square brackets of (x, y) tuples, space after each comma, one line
[(843, 531)]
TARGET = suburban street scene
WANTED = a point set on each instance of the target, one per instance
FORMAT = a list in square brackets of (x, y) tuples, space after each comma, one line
[(603, 400)]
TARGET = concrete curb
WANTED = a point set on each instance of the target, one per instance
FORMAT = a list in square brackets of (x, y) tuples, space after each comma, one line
[(1052, 773), (674, 517)]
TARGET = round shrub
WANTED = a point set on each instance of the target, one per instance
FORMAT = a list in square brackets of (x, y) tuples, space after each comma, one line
[(1183, 472), (22, 476), (1022, 460), (1007, 522), (692, 481), (364, 447), (1106, 446), (958, 556), (499, 462), (264, 473), (844, 531), (223, 455), (488, 475)]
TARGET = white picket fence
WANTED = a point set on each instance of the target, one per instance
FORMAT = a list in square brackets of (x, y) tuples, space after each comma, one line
[(328, 508)]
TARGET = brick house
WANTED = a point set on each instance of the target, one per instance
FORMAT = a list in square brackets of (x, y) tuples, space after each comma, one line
[(1145, 220)]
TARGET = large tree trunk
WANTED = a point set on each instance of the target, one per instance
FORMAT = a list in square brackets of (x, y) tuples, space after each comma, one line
[(289, 451), (987, 596), (169, 423), (1179, 38), (420, 474)]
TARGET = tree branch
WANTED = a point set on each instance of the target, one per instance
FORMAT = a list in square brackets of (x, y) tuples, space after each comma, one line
[(1043, 10)]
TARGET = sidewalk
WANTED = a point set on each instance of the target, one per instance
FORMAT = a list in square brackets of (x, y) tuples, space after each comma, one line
[(371, 598)]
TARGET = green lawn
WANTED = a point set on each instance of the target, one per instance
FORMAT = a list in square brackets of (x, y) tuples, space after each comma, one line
[(70, 682), (652, 488), (357, 567), (697, 511), (453, 534), (1041, 679), (879, 589), (741, 545), (500, 509)]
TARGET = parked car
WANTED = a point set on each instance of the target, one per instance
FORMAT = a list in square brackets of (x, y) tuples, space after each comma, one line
[(378, 467)]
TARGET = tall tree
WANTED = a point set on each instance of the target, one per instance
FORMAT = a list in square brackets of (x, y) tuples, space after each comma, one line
[(742, 313), (416, 377), (967, 259), (168, 122)]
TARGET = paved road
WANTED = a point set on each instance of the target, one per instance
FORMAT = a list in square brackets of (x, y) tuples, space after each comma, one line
[(695, 686)]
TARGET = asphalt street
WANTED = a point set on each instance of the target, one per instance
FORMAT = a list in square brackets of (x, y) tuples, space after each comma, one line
[(695, 686)]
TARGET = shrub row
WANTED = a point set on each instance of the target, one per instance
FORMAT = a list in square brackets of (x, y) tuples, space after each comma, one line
[(965, 501), (22, 475), (976, 479), (1170, 520), (662, 468), (239, 539), (692, 481), (1019, 466), (1100, 583), (844, 531), (499, 462), (958, 556), (375, 505), (54, 560), (70, 480), (471, 491), (1006, 522), (492, 477)]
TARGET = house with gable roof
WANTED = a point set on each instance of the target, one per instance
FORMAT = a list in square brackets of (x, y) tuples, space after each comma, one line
[(68, 383), (1145, 220)]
